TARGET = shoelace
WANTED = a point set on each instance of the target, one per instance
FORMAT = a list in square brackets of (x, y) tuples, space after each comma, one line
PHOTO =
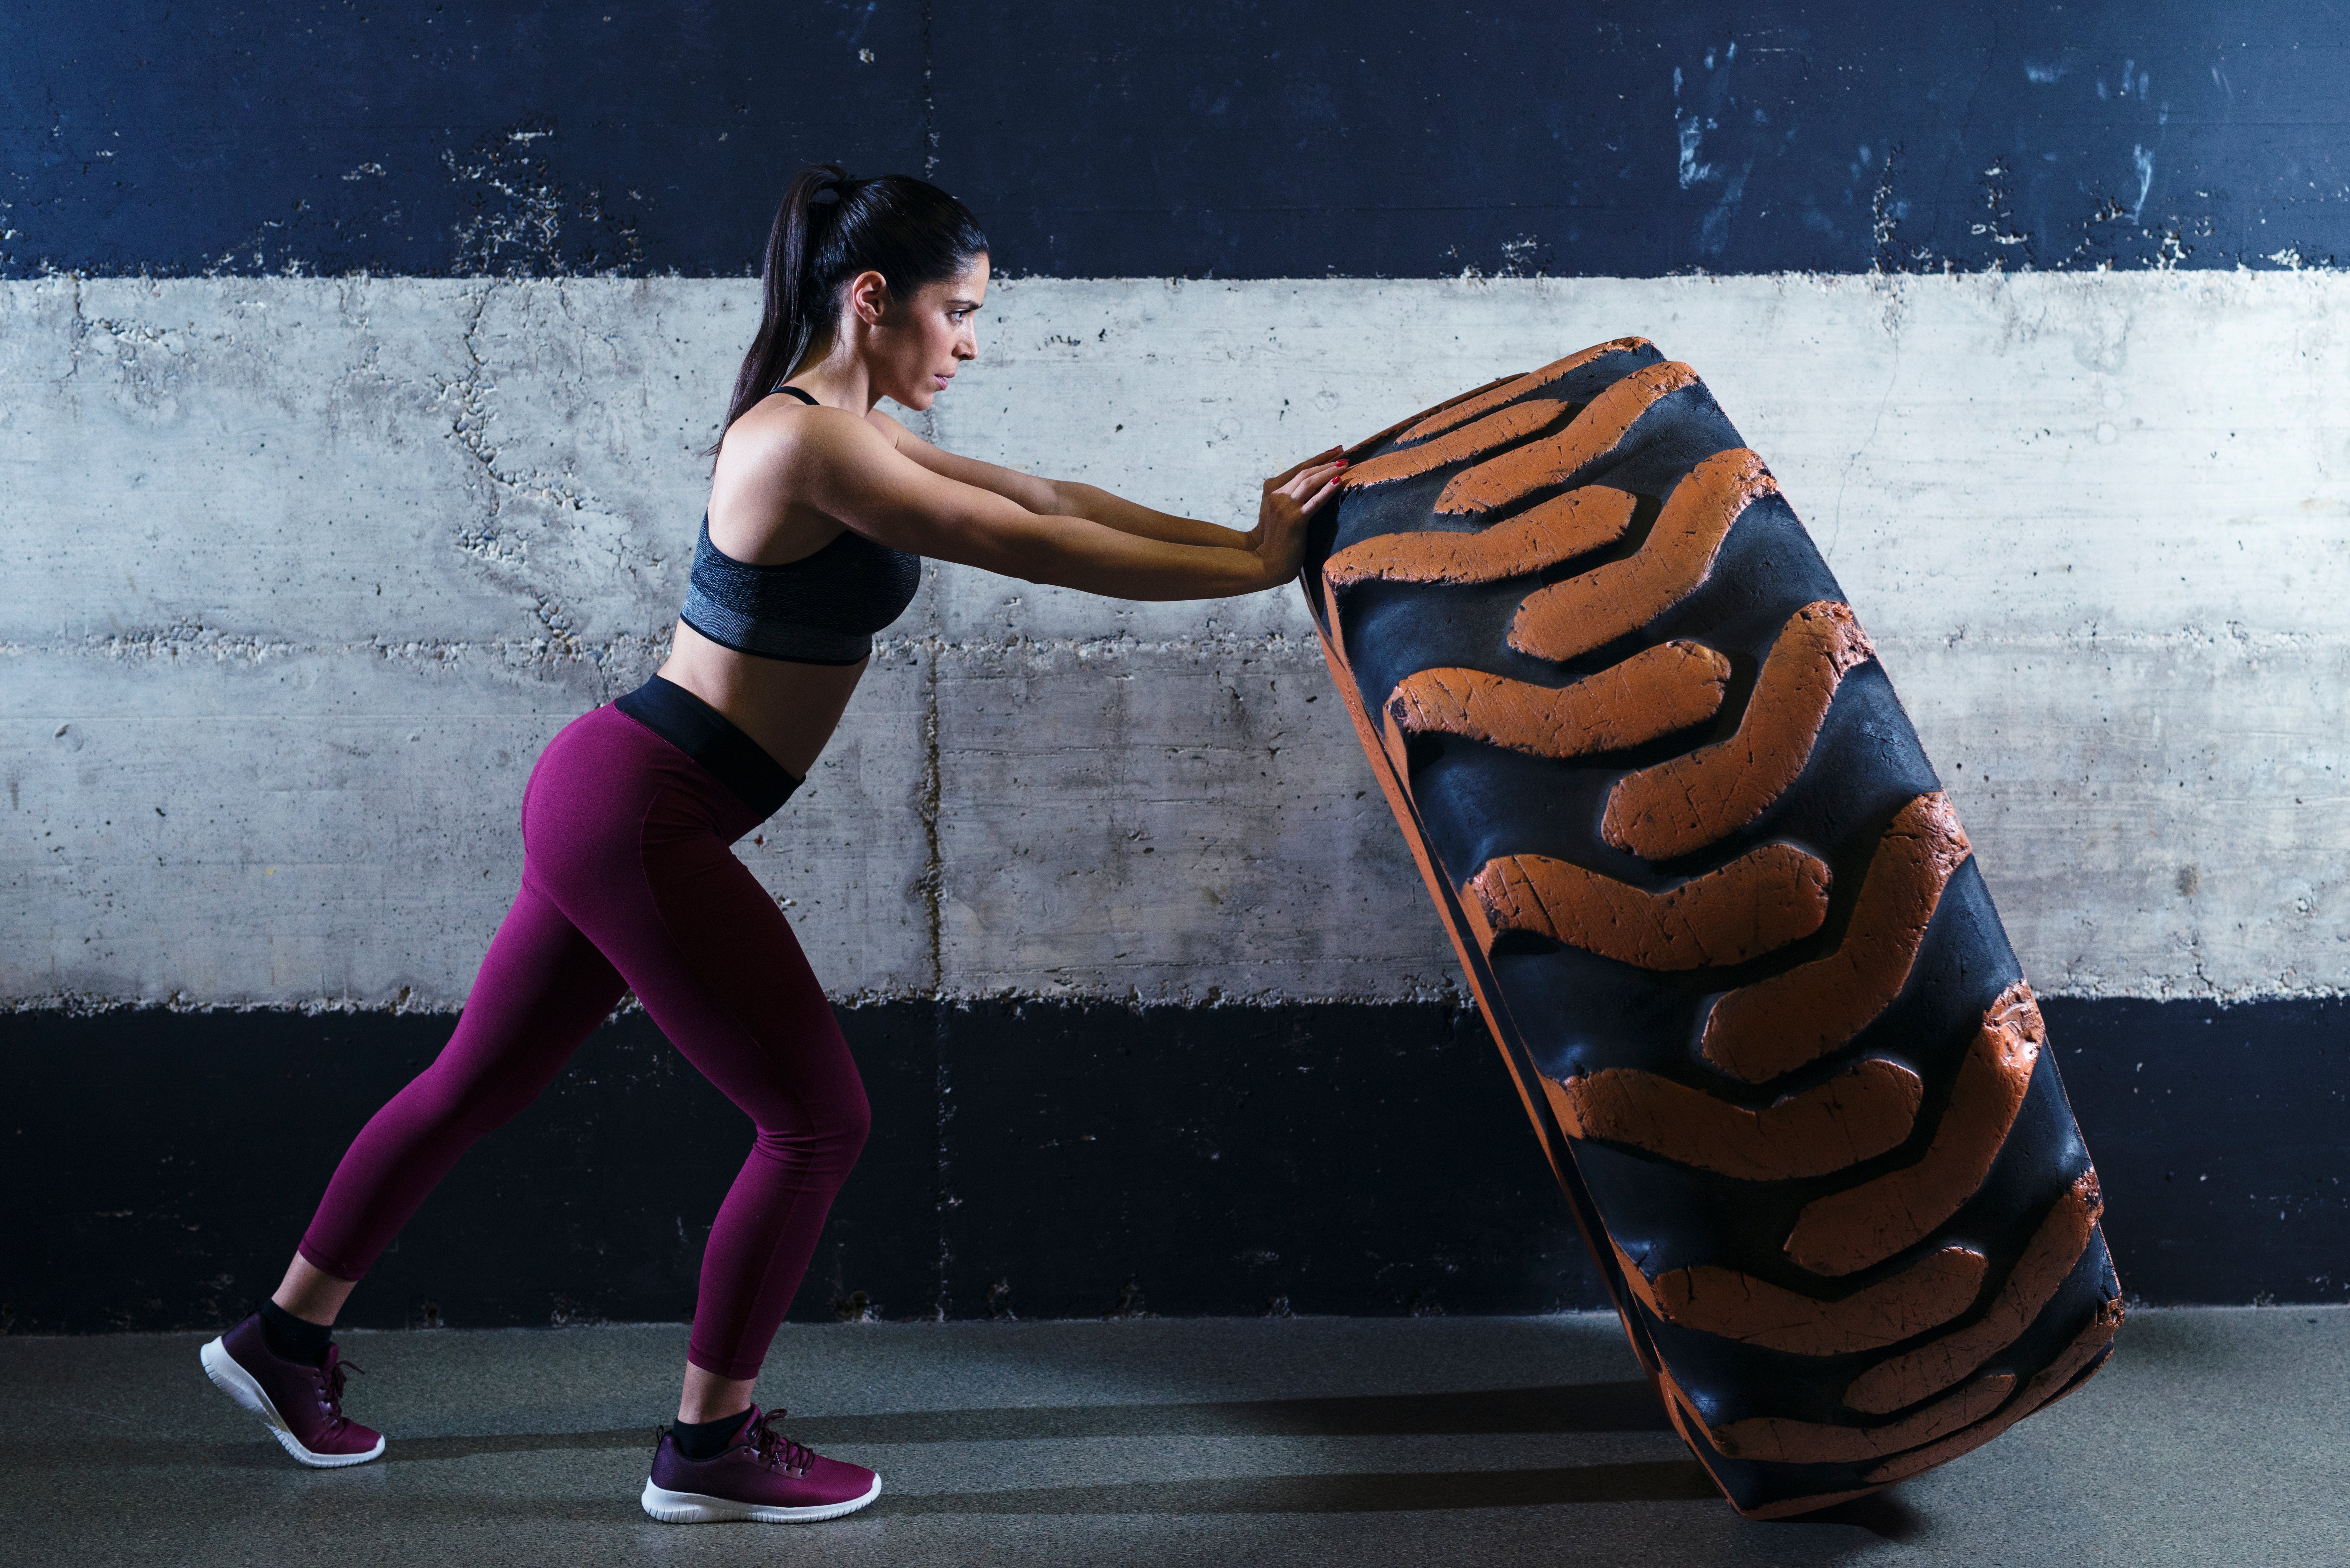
[(775, 1450), (336, 1371)]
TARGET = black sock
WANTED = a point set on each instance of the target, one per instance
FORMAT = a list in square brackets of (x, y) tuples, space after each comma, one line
[(291, 1338), (700, 1441)]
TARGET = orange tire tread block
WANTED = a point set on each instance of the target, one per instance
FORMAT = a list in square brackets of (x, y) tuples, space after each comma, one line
[(1791, 1020), (1478, 404), (1655, 692), (1709, 793), (1735, 1306), (1693, 1427), (1866, 1224), (1474, 440), (1861, 1113), (1593, 434), (1539, 537), (1377, 439), (1787, 1442), (1578, 614), (1928, 1370), (1760, 902)]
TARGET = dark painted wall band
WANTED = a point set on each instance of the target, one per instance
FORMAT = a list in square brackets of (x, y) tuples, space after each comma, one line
[(1049, 1161), (1228, 140)]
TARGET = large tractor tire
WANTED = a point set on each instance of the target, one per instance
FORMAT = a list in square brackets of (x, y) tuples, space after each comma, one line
[(1723, 924)]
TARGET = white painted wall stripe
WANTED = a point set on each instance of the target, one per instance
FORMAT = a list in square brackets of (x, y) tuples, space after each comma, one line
[(302, 572)]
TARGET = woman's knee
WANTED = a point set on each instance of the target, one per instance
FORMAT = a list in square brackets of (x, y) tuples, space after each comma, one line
[(842, 1121), (827, 1129), (837, 1105)]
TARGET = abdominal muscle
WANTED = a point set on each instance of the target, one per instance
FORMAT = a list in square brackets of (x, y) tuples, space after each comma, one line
[(790, 709)]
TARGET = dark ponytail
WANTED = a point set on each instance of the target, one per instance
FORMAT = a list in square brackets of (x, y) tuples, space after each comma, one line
[(829, 229)]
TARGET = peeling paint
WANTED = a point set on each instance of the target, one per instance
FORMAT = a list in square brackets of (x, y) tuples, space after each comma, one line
[(524, 221)]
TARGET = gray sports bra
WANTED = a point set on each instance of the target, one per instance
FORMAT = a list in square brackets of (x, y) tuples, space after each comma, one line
[(822, 608)]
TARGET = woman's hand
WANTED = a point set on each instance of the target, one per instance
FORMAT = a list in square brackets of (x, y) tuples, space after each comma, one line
[(1290, 498)]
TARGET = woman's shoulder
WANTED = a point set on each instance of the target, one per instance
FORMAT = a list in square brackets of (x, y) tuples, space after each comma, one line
[(899, 438), (781, 432)]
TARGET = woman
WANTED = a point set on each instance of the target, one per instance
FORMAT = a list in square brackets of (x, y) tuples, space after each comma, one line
[(820, 509)]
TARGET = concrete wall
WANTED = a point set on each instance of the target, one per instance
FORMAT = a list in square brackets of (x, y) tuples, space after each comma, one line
[(302, 572)]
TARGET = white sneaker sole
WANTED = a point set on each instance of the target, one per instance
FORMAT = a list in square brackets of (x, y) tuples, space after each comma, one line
[(238, 1383), (695, 1507)]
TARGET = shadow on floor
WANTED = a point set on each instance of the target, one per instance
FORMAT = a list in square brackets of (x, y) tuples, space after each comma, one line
[(1670, 1481), (1882, 1514), (1567, 1407), (1626, 1407), (1570, 1408)]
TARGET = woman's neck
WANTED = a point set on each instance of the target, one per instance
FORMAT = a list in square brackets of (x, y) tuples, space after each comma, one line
[(838, 377)]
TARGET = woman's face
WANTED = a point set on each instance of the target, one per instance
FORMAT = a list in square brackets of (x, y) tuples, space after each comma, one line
[(917, 347)]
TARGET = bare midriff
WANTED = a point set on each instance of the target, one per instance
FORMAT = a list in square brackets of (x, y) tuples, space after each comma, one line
[(790, 709)]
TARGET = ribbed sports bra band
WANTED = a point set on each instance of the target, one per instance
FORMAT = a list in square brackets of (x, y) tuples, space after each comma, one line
[(822, 608)]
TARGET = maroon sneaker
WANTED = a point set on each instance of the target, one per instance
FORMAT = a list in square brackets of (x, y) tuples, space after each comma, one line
[(762, 1476), (301, 1406)]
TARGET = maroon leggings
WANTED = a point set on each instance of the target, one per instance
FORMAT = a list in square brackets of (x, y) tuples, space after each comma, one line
[(627, 884)]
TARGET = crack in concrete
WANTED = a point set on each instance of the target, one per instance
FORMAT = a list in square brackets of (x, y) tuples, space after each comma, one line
[(466, 426), (181, 639), (86, 326), (2198, 987), (189, 638), (2232, 636), (470, 428), (487, 540), (932, 879), (563, 647), (1272, 647), (83, 1005)]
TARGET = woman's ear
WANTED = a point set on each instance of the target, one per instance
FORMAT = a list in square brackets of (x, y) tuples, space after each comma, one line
[(868, 297)]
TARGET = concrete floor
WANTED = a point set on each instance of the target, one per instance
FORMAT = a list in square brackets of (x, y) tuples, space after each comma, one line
[(2215, 1436)]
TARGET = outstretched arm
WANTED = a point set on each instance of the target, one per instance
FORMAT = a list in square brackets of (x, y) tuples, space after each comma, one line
[(852, 470), (1073, 498)]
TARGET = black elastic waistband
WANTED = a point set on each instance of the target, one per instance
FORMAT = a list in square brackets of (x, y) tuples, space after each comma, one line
[(710, 738)]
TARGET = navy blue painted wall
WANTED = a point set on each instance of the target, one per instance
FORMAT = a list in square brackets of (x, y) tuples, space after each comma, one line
[(1238, 140), (1050, 1160)]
